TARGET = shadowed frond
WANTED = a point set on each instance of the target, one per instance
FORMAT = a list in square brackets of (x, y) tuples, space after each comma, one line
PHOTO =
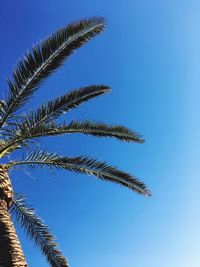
[(84, 165), (2, 108), (52, 109), (35, 121), (44, 59), (37, 231), (102, 130), (30, 130), (85, 127)]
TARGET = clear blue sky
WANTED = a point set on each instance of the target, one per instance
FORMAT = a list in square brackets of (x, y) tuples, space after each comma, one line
[(150, 56)]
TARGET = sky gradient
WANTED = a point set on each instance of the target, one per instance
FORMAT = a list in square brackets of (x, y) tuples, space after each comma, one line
[(150, 56)]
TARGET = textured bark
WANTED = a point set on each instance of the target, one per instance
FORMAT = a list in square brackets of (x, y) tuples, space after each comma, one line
[(11, 254)]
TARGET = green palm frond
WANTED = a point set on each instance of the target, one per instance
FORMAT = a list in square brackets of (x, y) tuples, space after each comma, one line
[(34, 227), (102, 130), (2, 108), (52, 109), (44, 59), (8, 147), (35, 121), (84, 165), (85, 127)]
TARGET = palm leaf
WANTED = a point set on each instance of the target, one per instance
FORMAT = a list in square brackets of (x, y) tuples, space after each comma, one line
[(28, 132), (54, 108), (85, 127), (2, 108), (84, 165), (45, 114), (37, 231), (8, 147), (102, 130), (44, 59)]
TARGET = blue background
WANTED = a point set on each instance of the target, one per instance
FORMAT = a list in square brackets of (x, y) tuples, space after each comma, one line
[(150, 56)]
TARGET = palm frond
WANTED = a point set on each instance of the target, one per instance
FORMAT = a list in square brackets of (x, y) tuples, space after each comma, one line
[(52, 109), (8, 147), (84, 127), (44, 59), (31, 128), (84, 165), (3, 108), (35, 121), (102, 130), (34, 227)]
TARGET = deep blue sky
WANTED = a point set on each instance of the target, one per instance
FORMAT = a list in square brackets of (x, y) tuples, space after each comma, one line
[(150, 56)]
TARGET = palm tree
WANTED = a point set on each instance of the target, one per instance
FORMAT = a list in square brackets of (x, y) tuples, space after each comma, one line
[(19, 131)]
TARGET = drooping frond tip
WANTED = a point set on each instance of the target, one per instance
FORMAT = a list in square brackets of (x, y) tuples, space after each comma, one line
[(44, 59), (37, 231), (84, 165)]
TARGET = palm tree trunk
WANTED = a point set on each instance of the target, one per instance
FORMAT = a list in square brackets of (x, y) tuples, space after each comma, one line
[(11, 254)]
